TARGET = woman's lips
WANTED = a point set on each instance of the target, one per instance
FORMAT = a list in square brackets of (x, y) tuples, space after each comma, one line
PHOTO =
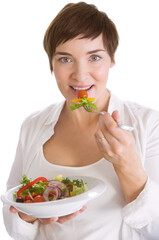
[(87, 88), (81, 87)]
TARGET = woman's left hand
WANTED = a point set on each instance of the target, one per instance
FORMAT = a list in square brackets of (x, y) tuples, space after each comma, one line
[(118, 147)]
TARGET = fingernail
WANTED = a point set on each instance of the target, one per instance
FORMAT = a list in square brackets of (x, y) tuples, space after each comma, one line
[(102, 113)]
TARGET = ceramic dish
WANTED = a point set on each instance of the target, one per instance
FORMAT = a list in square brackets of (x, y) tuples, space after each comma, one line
[(60, 207)]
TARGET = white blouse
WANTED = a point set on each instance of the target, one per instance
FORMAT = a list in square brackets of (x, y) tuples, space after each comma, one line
[(107, 217)]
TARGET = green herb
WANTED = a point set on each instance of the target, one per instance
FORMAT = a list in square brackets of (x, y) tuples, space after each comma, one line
[(25, 180), (78, 183), (78, 190), (83, 102), (37, 188), (66, 181), (75, 106)]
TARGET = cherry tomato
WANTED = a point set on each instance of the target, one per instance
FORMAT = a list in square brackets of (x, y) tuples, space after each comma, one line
[(82, 94), (35, 194), (39, 198)]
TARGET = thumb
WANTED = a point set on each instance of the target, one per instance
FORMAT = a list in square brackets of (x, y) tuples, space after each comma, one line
[(13, 210)]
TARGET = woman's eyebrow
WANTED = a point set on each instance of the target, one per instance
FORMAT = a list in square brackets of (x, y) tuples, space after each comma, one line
[(96, 50), (90, 52), (63, 53)]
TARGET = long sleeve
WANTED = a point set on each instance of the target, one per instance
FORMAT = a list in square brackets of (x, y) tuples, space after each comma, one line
[(34, 131), (143, 213), (15, 226)]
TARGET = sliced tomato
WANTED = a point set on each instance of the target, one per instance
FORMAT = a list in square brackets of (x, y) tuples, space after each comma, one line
[(39, 198), (35, 194), (82, 94)]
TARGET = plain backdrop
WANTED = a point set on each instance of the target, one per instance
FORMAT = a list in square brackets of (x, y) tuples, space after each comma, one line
[(26, 84)]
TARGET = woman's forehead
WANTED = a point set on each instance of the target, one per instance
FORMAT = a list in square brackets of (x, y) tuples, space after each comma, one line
[(81, 43)]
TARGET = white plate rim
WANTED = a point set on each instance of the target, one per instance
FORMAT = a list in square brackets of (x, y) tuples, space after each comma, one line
[(98, 189)]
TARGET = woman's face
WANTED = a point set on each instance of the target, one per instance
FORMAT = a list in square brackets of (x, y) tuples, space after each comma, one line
[(82, 64)]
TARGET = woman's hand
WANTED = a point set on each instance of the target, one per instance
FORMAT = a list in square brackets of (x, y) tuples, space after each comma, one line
[(23, 216), (118, 147), (46, 221)]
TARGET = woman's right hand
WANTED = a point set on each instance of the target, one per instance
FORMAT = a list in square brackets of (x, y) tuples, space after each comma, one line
[(46, 221)]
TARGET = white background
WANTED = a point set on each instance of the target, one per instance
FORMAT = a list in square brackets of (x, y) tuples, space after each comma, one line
[(26, 83)]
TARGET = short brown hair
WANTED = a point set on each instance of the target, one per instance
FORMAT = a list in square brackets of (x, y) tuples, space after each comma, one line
[(76, 19)]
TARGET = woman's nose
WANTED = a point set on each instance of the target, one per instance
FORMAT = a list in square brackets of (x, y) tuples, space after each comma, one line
[(80, 72)]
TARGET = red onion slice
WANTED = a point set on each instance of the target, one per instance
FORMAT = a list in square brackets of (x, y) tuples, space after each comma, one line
[(62, 186), (52, 193)]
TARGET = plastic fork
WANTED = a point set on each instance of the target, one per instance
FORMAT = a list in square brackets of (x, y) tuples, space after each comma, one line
[(122, 126)]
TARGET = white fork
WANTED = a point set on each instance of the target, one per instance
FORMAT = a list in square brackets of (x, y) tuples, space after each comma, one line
[(125, 127)]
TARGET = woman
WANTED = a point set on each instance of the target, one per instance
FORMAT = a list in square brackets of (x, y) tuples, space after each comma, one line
[(81, 43)]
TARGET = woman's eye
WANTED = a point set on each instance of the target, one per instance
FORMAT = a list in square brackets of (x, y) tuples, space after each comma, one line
[(65, 60), (94, 58)]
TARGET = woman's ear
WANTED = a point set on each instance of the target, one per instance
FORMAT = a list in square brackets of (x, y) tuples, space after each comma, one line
[(112, 64)]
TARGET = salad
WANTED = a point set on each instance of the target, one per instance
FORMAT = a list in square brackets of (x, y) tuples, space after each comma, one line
[(41, 189), (83, 101)]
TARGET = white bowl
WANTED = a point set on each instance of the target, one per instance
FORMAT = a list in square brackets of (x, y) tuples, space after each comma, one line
[(59, 207)]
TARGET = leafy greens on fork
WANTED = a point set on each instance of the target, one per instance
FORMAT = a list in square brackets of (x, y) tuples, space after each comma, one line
[(83, 101)]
